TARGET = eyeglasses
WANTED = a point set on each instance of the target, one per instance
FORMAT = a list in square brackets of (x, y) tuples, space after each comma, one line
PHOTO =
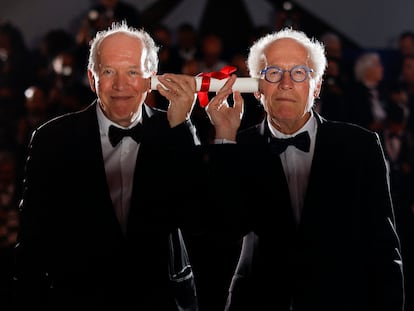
[(274, 74)]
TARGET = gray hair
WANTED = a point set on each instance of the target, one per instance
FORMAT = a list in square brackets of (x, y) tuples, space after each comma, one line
[(363, 62), (150, 49), (316, 50)]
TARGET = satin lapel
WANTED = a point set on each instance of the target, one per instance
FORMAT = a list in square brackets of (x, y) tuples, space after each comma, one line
[(319, 165), (272, 174), (89, 129)]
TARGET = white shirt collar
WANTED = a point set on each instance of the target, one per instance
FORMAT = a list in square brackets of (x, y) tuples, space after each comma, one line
[(310, 126), (104, 122)]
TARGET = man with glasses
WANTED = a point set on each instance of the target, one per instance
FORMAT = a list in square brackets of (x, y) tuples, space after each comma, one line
[(312, 195)]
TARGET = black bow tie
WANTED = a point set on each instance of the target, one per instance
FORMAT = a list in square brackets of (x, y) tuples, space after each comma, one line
[(116, 134), (300, 141)]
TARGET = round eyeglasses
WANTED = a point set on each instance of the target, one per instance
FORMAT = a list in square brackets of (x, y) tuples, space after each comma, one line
[(274, 74)]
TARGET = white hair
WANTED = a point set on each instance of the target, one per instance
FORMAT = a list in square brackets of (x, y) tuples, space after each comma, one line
[(150, 49), (316, 50)]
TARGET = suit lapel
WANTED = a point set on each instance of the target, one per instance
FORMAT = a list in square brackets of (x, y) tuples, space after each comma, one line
[(320, 160), (89, 135)]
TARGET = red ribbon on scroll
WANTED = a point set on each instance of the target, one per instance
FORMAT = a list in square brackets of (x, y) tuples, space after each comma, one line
[(224, 73)]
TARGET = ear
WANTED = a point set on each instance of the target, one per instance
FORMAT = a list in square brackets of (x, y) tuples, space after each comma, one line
[(317, 90), (91, 79)]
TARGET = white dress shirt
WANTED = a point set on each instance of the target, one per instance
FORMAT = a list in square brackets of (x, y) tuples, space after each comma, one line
[(378, 111), (297, 164), (119, 166)]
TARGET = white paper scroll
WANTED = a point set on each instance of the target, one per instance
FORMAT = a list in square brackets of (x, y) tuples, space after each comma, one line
[(243, 85)]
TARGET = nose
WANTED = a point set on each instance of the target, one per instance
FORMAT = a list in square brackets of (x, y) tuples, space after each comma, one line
[(286, 82), (119, 82)]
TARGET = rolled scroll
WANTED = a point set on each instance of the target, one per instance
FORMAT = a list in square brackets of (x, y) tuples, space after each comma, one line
[(243, 85)]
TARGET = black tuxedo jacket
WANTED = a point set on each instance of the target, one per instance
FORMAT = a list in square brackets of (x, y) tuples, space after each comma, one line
[(343, 255), (72, 253)]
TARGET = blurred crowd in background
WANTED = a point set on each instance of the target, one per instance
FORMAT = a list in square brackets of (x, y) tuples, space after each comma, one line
[(367, 87)]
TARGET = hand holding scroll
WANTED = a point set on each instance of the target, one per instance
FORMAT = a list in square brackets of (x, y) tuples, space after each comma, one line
[(226, 119), (214, 81)]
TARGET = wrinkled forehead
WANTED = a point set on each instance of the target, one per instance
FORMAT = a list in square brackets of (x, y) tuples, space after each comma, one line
[(286, 52), (120, 46), (119, 41)]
